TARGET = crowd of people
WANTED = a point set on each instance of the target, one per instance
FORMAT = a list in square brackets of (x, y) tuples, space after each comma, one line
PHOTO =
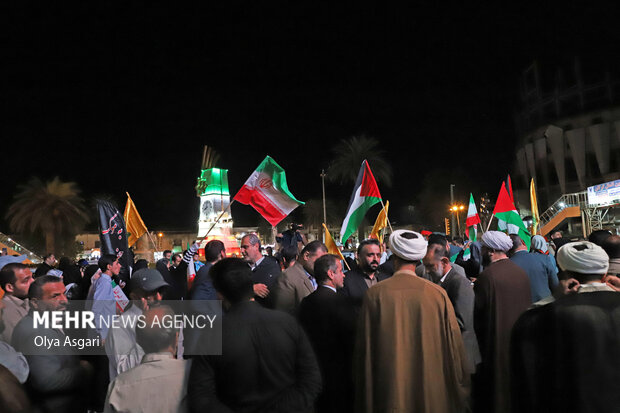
[(419, 324)]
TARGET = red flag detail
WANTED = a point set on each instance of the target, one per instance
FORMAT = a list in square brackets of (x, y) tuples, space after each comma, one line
[(504, 203), (369, 185)]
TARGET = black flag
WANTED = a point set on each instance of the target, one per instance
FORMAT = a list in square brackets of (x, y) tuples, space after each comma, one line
[(113, 236)]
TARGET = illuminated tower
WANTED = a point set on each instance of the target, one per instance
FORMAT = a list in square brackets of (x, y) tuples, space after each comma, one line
[(212, 188)]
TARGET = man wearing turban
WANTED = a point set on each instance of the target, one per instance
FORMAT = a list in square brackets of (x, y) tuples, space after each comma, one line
[(409, 355), (502, 293), (565, 354)]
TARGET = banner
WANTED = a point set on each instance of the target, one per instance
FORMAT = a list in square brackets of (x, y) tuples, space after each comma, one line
[(113, 236)]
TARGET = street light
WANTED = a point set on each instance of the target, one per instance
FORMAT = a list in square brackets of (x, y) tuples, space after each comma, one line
[(456, 209)]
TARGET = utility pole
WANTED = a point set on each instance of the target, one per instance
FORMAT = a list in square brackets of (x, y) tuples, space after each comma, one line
[(452, 204), (323, 175)]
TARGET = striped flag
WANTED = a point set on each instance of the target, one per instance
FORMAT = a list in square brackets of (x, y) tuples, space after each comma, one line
[(506, 211), (365, 194), (472, 221), (267, 192)]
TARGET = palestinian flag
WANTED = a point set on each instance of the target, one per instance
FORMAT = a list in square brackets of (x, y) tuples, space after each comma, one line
[(365, 194), (472, 220), (506, 211), (267, 192)]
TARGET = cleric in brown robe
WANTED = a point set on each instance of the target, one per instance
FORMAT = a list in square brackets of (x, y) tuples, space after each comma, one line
[(502, 295), (409, 352)]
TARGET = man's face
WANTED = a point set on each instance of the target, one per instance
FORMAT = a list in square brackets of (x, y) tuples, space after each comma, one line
[(310, 258), (19, 289), (177, 260), (146, 300), (432, 263), (51, 260), (53, 298), (369, 258), (251, 253), (556, 234), (338, 276), (167, 255), (115, 268)]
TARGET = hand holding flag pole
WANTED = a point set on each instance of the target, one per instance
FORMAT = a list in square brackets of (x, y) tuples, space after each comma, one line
[(218, 219)]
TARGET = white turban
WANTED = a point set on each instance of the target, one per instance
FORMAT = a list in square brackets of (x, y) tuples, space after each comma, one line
[(583, 257), (497, 241), (539, 243), (408, 245)]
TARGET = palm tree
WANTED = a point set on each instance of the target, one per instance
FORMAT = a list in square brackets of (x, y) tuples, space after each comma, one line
[(53, 208), (313, 213), (349, 155)]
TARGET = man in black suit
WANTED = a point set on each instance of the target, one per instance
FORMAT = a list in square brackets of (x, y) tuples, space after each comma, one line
[(329, 319), (267, 363), (439, 270), (265, 270), (359, 280)]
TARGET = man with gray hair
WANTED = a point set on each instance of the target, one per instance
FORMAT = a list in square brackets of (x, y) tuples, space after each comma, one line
[(502, 294), (265, 270), (298, 281), (408, 338)]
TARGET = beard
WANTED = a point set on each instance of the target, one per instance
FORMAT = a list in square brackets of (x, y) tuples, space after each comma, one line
[(370, 266)]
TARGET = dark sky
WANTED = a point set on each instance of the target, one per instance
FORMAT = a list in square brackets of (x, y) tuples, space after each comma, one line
[(123, 98)]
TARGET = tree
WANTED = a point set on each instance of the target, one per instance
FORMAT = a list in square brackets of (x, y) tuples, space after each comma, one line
[(53, 209), (313, 212), (349, 155)]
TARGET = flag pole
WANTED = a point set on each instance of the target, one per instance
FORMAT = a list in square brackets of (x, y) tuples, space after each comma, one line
[(218, 219), (386, 216), (489, 224), (323, 175)]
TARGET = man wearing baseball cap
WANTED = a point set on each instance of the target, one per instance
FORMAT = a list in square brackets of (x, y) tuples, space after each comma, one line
[(145, 287), (565, 354)]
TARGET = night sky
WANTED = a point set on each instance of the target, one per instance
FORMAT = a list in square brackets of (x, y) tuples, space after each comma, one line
[(123, 98)]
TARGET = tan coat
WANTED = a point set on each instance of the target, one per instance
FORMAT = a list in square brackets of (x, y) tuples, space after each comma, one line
[(15, 309), (292, 286), (409, 352)]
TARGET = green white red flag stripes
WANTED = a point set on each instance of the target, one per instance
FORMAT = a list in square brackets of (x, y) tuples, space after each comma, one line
[(505, 210), (267, 192), (472, 221), (365, 194)]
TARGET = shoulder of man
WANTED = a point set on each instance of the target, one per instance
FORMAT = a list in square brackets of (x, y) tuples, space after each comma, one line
[(270, 263)]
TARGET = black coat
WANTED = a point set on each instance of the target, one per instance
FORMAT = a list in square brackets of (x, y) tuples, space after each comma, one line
[(267, 272), (565, 356), (329, 319), (355, 287), (267, 365)]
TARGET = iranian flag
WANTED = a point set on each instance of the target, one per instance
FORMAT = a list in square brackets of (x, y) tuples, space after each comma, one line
[(267, 192), (472, 220), (506, 211), (365, 194)]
